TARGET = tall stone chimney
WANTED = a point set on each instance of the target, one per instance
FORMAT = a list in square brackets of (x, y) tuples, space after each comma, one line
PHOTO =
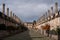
[(56, 7), (10, 13), (49, 14), (51, 10), (13, 16), (7, 11), (3, 8), (46, 16)]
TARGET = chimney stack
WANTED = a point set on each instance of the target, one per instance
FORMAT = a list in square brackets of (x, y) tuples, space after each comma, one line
[(56, 7), (13, 16), (3, 8), (51, 10), (10, 13), (7, 11)]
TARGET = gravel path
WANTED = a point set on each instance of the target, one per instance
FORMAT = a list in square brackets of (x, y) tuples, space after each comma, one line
[(28, 35)]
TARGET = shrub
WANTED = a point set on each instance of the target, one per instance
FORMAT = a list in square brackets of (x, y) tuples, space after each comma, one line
[(54, 32), (58, 30)]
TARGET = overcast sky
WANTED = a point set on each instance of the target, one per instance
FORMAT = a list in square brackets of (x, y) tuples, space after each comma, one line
[(28, 10)]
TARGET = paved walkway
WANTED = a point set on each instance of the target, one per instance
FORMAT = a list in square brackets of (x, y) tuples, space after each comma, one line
[(28, 35)]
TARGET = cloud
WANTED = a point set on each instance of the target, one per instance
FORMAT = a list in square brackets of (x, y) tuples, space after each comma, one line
[(29, 10)]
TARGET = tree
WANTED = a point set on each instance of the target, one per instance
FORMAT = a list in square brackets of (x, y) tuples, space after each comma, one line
[(34, 23)]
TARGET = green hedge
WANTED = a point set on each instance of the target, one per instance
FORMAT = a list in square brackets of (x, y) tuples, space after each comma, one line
[(54, 32), (58, 30)]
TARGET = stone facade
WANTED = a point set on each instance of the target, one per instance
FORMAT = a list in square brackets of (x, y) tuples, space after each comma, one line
[(52, 19), (28, 24)]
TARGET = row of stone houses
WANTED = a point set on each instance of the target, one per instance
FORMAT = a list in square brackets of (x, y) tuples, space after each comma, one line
[(49, 22), (28, 24), (8, 18)]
